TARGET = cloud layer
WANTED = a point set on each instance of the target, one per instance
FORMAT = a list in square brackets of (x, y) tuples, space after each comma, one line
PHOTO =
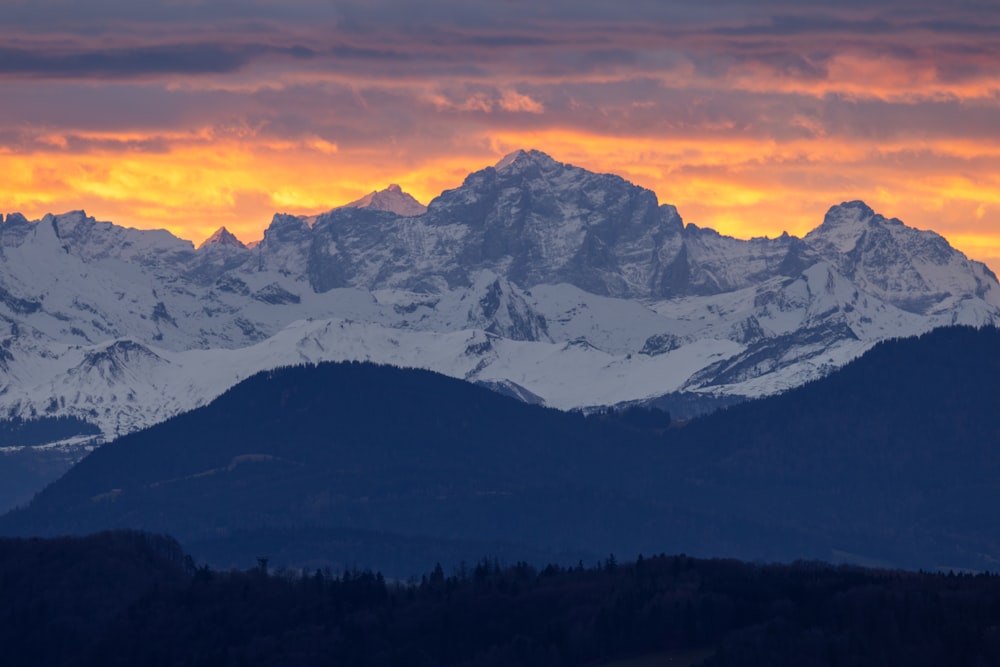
[(190, 114)]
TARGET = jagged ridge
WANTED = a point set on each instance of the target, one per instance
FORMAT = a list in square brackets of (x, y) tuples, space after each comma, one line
[(578, 288)]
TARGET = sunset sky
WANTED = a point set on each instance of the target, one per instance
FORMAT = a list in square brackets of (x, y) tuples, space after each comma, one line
[(752, 118)]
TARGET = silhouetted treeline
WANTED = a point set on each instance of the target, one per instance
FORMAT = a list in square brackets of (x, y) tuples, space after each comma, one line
[(133, 599), (636, 417), (57, 595)]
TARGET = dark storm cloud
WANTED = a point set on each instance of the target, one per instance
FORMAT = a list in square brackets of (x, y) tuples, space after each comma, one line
[(447, 39), (137, 61), (988, 28), (510, 40), (83, 16), (112, 106), (804, 24)]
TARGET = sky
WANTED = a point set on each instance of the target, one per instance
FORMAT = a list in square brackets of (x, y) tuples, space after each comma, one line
[(751, 118)]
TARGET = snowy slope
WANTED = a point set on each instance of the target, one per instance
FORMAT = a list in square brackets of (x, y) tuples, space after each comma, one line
[(916, 270), (553, 282)]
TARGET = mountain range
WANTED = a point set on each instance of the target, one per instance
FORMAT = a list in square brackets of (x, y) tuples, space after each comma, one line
[(535, 278), (890, 461)]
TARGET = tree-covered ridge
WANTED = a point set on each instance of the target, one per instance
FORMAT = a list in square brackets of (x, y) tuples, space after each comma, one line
[(133, 599), (58, 595), (358, 446), (897, 454), (891, 461)]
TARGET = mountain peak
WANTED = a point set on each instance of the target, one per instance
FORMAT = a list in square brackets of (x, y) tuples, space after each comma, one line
[(848, 212), (522, 157), (843, 225), (915, 270), (510, 158), (223, 237), (391, 199), (15, 219), (855, 214)]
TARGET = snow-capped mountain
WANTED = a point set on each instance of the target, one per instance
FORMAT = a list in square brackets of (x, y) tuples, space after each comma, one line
[(222, 237), (915, 270), (534, 277), (392, 199)]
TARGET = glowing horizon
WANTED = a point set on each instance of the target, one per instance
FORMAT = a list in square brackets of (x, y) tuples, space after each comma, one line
[(196, 115)]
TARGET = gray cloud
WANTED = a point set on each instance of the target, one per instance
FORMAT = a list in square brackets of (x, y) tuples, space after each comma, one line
[(785, 25), (84, 16), (790, 16), (366, 81), (137, 61), (515, 39)]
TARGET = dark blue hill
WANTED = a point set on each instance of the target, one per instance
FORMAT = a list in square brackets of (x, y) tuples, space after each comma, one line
[(891, 460), (127, 598), (897, 454), (312, 455)]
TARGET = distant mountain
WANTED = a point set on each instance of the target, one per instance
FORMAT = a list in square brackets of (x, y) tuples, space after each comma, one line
[(889, 461), (223, 237), (392, 199), (300, 448), (917, 271), (536, 278)]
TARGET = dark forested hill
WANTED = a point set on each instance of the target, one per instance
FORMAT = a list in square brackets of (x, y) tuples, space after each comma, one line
[(57, 595), (892, 460), (131, 599), (897, 454), (343, 456)]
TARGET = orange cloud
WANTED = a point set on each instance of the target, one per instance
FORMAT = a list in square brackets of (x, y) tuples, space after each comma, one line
[(748, 187), (753, 125), (202, 183), (862, 76), (515, 101)]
